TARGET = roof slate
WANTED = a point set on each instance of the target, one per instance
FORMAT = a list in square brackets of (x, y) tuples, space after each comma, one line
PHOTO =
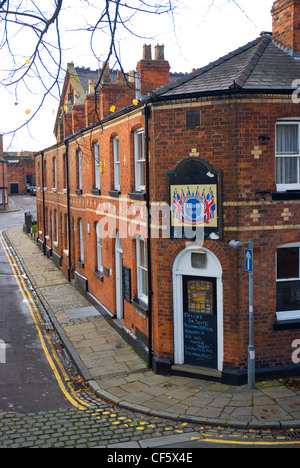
[(259, 65)]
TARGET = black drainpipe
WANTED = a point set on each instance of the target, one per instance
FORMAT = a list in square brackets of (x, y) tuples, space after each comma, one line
[(43, 191), (147, 113), (68, 203)]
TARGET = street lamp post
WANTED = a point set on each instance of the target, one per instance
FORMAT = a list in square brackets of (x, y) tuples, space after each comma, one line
[(249, 268)]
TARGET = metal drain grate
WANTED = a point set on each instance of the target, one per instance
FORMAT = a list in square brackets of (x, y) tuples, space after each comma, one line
[(292, 435)]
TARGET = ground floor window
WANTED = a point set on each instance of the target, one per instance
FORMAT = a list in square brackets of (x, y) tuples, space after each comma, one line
[(288, 282), (99, 248), (141, 258), (81, 242), (3, 196)]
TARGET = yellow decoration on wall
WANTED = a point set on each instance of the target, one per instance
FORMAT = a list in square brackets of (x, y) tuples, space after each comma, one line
[(112, 109), (135, 102)]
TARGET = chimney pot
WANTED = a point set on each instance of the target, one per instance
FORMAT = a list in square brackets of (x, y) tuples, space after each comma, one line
[(131, 78), (92, 84), (147, 52), (106, 73), (159, 52)]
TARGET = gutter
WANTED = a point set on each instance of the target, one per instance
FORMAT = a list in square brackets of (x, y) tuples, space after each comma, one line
[(66, 142), (147, 114)]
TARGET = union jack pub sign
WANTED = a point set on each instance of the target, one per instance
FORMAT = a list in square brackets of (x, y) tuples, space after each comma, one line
[(194, 193), (194, 205)]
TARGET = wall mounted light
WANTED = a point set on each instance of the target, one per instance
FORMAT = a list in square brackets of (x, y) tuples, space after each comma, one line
[(263, 139)]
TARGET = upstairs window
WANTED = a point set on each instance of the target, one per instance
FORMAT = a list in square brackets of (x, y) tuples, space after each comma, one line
[(54, 174), (116, 152), (139, 157), (65, 175), (79, 169), (287, 156), (97, 165)]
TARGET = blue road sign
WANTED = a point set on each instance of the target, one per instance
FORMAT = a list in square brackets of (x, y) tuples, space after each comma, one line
[(248, 260)]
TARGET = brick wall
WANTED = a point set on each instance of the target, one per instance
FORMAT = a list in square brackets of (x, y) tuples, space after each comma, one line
[(17, 175)]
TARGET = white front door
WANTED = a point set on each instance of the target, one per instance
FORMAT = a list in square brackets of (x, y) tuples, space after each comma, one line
[(119, 278), (198, 309)]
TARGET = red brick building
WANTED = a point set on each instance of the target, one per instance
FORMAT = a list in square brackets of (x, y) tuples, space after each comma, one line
[(20, 171), (139, 208)]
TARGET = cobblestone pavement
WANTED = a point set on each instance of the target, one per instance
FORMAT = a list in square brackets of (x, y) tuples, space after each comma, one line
[(105, 426), (99, 425)]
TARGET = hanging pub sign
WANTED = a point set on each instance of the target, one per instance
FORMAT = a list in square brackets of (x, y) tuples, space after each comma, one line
[(194, 193)]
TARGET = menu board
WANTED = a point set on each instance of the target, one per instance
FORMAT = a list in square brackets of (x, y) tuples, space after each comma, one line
[(200, 339)]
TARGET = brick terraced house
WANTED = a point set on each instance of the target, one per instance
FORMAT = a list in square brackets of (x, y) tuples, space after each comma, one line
[(138, 206)]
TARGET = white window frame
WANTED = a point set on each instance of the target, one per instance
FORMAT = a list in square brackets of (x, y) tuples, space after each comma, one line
[(65, 171), (283, 187), (97, 166), (139, 160), (56, 223), (116, 153), (81, 241), (290, 314), (141, 269), (99, 248), (79, 162)]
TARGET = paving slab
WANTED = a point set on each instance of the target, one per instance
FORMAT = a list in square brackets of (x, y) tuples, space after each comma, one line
[(82, 312)]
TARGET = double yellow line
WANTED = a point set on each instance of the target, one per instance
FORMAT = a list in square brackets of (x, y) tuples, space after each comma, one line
[(57, 367)]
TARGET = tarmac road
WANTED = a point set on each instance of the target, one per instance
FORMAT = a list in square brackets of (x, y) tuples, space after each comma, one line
[(26, 377)]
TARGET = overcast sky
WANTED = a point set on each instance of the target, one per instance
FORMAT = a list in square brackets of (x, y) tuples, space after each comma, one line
[(200, 32)]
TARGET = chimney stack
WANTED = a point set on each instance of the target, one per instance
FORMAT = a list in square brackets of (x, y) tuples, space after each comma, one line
[(153, 73), (1, 145), (286, 25)]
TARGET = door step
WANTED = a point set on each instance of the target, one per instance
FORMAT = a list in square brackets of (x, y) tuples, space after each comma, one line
[(196, 371)]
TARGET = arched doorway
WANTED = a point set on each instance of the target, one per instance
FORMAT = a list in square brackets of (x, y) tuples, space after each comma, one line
[(119, 277), (198, 309)]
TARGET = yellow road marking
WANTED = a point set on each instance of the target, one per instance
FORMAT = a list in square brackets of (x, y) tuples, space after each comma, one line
[(38, 321), (237, 442)]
